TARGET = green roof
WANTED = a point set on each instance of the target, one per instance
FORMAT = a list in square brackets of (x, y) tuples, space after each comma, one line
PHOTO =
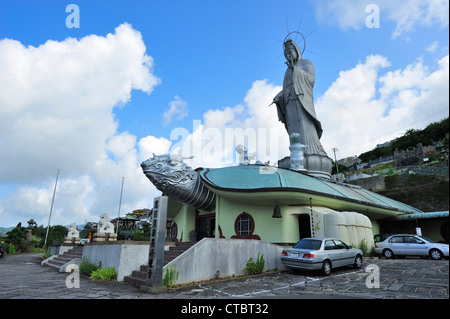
[(255, 178), (128, 217)]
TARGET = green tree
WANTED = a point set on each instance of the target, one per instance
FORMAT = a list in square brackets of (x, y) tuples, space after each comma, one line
[(432, 133), (17, 237), (56, 233)]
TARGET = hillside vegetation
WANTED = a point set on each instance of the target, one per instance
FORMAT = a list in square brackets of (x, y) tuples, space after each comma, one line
[(433, 133), (427, 193)]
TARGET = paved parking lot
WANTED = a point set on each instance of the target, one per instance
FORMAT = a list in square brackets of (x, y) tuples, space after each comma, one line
[(23, 277), (398, 279)]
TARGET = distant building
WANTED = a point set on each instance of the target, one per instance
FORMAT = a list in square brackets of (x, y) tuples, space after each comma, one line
[(385, 144), (142, 213), (350, 162)]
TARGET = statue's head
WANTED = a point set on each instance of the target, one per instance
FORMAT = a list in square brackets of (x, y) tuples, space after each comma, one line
[(104, 217), (292, 51)]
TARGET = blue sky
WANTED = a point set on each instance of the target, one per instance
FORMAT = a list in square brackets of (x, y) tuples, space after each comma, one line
[(217, 62)]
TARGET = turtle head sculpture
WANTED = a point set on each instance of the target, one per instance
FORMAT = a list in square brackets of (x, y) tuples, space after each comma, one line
[(175, 179)]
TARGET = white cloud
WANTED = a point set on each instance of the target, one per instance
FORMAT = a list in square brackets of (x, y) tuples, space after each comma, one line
[(150, 145), (57, 100), (56, 111), (416, 12), (252, 123), (363, 107), (178, 109), (406, 14), (432, 47)]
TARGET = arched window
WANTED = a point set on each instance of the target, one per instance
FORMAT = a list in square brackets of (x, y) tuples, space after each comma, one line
[(244, 225)]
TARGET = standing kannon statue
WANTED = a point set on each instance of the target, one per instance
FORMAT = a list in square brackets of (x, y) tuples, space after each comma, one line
[(295, 106)]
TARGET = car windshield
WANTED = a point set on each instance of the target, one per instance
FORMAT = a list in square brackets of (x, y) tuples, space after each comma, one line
[(427, 239), (312, 244)]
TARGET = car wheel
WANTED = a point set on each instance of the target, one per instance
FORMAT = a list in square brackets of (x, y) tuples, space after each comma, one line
[(326, 268), (388, 254), (358, 262), (435, 254)]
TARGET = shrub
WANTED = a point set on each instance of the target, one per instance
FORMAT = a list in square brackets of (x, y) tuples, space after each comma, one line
[(254, 268), (11, 249), (86, 267), (140, 236), (170, 276), (46, 254), (17, 238), (104, 274), (363, 246)]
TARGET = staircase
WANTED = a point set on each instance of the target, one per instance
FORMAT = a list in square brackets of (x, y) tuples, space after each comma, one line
[(138, 277), (61, 260)]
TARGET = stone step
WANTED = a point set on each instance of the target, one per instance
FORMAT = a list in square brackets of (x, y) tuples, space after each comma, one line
[(72, 256), (140, 274), (62, 259), (134, 281), (138, 277), (57, 262)]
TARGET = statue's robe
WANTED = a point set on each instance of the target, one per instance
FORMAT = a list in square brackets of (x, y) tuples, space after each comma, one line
[(295, 106)]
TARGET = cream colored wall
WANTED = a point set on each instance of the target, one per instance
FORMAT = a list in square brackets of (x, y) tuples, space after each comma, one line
[(351, 227), (185, 219), (271, 230)]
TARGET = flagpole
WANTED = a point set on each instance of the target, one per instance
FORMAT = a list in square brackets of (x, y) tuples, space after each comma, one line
[(51, 209), (120, 204)]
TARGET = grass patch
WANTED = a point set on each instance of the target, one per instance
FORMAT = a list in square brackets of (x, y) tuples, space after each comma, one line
[(104, 274), (170, 277)]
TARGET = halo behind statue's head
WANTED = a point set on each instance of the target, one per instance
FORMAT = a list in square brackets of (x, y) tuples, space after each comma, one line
[(288, 38)]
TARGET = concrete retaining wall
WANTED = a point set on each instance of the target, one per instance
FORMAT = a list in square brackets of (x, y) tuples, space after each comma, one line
[(124, 257), (223, 257), (207, 259), (59, 249)]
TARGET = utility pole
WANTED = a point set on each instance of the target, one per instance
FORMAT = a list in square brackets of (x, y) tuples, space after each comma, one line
[(51, 209), (335, 160), (120, 204)]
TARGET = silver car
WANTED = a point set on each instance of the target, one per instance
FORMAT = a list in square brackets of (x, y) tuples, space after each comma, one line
[(410, 245), (321, 254)]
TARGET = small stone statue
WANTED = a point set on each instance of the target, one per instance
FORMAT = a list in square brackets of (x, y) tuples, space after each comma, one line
[(244, 156), (105, 230), (105, 225), (73, 235)]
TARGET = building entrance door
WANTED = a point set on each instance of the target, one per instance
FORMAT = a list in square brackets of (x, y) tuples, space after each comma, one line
[(206, 227), (304, 225)]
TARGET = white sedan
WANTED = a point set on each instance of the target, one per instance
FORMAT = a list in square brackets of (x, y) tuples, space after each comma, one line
[(321, 254), (410, 245)]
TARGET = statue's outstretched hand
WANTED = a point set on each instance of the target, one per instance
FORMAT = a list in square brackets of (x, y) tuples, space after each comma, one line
[(276, 99)]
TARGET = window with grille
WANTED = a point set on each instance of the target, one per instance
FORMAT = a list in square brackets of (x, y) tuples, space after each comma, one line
[(244, 225)]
